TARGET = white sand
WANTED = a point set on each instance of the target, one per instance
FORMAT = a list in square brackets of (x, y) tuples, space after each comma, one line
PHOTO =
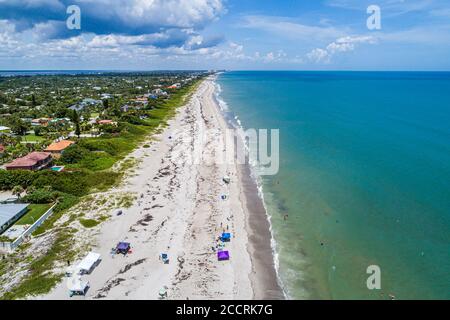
[(180, 213)]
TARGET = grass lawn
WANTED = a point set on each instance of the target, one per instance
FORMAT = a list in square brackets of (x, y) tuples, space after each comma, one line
[(32, 138), (35, 211)]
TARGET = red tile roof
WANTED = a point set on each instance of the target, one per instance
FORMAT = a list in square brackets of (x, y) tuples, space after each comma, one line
[(29, 160)]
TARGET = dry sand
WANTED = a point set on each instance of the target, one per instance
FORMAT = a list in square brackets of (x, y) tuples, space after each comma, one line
[(179, 211)]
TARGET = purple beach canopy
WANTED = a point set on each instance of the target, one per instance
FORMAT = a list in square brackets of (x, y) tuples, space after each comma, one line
[(123, 246), (223, 255)]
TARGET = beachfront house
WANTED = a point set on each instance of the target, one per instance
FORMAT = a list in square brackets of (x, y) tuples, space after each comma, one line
[(77, 107), (10, 213), (32, 161), (142, 100), (159, 92), (80, 106), (91, 102), (175, 86), (57, 148), (150, 96), (40, 122)]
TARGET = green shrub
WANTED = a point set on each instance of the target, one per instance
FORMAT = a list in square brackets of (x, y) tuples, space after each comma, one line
[(89, 223), (133, 119), (42, 195), (5, 239), (97, 161), (74, 154), (65, 201), (100, 144), (68, 182), (10, 179)]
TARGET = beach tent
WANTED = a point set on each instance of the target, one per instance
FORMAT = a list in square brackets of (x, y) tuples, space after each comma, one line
[(226, 237), (89, 262), (77, 286), (123, 247), (226, 179), (223, 255)]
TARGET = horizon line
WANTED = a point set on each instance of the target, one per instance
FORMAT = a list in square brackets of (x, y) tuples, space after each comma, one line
[(217, 70)]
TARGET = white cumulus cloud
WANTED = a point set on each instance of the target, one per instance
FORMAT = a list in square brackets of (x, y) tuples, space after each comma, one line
[(343, 44)]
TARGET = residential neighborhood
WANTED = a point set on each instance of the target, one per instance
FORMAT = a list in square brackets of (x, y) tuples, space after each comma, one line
[(36, 112), (61, 134)]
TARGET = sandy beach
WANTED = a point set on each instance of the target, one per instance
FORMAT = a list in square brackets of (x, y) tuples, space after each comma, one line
[(179, 210)]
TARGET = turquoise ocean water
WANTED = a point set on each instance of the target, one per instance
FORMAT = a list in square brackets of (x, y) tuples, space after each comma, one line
[(364, 178)]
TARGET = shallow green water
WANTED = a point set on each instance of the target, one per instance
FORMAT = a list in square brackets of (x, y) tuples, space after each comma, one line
[(364, 178)]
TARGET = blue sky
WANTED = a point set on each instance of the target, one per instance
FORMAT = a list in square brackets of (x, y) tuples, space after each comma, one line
[(225, 34)]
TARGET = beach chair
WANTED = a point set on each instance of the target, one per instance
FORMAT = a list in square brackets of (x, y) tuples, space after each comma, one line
[(163, 293)]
